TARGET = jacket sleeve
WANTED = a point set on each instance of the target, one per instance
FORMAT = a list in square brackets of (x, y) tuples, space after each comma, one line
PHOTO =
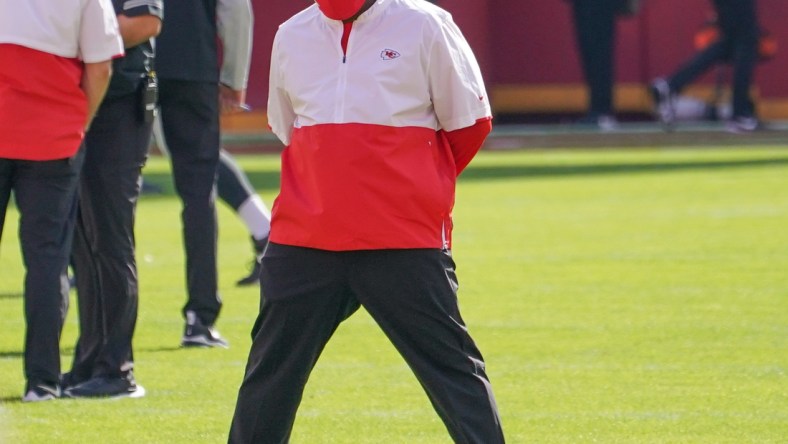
[(134, 8), (99, 36), (458, 94), (281, 115), (455, 80), (466, 142), (235, 26)]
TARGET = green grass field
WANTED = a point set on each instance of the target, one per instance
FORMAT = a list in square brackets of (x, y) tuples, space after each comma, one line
[(626, 296)]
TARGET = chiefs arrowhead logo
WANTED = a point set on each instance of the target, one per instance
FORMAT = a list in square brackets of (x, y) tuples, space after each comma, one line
[(389, 54)]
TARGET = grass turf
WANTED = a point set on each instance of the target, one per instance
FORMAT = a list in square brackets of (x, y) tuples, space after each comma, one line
[(627, 296)]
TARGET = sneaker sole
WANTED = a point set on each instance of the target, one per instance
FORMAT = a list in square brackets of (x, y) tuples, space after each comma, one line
[(201, 341), (35, 398), (664, 109), (138, 393)]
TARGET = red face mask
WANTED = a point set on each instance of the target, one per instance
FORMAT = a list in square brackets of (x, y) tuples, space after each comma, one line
[(340, 9)]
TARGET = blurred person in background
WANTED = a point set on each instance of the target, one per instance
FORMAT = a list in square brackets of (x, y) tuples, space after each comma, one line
[(193, 91), (234, 189), (595, 31), (103, 258), (737, 44), (55, 66)]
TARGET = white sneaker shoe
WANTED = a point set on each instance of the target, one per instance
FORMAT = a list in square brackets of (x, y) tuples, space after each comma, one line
[(664, 108), (742, 125), (41, 392)]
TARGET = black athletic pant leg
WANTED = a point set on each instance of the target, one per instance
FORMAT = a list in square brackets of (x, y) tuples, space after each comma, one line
[(738, 20), (304, 299), (91, 323), (698, 64), (232, 184), (412, 296), (190, 120), (104, 251), (45, 194), (594, 22)]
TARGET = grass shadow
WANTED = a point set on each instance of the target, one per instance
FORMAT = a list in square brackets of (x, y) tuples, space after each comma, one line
[(11, 354), (260, 181), (268, 181), (542, 171), (68, 351), (171, 348)]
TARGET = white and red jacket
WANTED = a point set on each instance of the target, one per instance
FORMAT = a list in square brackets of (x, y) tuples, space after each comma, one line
[(378, 118)]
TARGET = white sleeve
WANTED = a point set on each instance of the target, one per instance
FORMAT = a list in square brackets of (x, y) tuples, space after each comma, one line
[(281, 116), (99, 37), (235, 23), (456, 85)]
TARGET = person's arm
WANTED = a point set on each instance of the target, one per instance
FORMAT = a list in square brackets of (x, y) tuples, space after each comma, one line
[(466, 142), (138, 29), (281, 115), (99, 43), (95, 80), (234, 22), (231, 100)]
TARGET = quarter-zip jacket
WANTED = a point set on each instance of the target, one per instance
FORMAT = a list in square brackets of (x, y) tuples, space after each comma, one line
[(367, 163)]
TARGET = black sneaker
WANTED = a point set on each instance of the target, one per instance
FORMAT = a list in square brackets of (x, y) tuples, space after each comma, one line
[(253, 278), (254, 275), (107, 387), (199, 335), (68, 380), (41, 392), (664, 108)]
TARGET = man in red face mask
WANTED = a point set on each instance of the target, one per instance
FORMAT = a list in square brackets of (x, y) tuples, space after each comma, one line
[(374, 141)]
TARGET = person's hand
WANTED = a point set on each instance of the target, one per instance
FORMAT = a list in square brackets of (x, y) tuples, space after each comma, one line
[(232, 101)]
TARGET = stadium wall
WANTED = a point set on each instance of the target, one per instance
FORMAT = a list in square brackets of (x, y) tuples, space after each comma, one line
[(527, 52)]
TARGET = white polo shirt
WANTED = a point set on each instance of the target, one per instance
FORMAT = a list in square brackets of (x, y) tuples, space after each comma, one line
[(83, 29)]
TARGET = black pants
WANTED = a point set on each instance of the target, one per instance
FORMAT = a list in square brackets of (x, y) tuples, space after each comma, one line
[(411, 294), (232, 184), (45, 194), (190, 120), (104, 247), (738, 45), (595, 28)]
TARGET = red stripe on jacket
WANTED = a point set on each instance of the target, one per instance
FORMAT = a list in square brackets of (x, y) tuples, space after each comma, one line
[(361, 186)]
